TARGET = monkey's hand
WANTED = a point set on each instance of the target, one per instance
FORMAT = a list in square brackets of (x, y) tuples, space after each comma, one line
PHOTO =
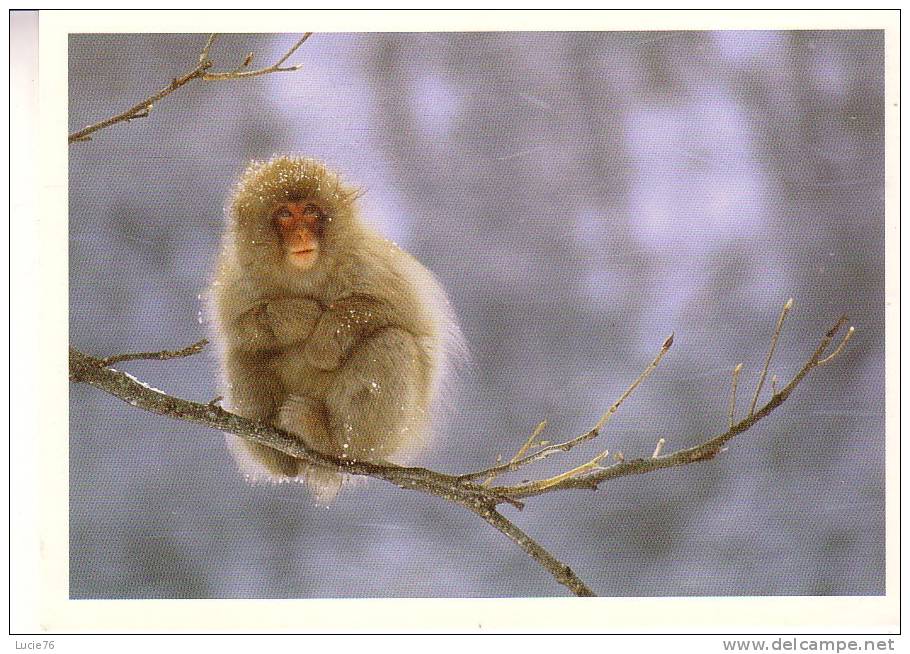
[(344, 324), (251, 331), (324, 349), (292, 319)]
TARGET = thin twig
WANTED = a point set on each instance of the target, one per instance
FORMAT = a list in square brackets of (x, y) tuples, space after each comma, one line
[(702, 452), (738, 368), (668, 343), (522, 450), (840, 348), (658, 448), (204, 55), (141, 109), (239, 73), (293, 48), (190, 350), (588, 435), (761, 380), (543, 484)]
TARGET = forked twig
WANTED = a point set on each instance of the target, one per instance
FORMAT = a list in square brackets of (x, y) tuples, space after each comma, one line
[(839, 348), (764, 372), (593, 464), (522, 450), (702, 452), (588, 435), (239, 73), (200, 71)]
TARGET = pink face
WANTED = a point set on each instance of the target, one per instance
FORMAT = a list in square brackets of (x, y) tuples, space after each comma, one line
[(300, 227)]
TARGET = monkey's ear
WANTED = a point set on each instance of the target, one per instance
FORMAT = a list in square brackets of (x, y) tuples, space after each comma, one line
[(351, 195)]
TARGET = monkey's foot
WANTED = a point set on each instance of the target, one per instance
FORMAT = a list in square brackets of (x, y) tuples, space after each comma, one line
[(305, 418), (323, 483)]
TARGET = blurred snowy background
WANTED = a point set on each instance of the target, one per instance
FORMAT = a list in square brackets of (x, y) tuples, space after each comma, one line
[(581, 196)]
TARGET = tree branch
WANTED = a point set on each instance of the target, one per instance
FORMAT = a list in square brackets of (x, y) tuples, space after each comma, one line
[(518, 462), (702, 452), (478, 498), (190, 350), (143, 108), (561, 572), (239, 73)]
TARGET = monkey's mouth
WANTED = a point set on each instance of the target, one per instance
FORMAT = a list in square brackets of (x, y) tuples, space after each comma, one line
[(304, 257)]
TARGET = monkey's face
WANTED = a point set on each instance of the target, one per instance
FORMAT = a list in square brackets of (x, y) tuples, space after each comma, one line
[(300, 226), (290, 219)]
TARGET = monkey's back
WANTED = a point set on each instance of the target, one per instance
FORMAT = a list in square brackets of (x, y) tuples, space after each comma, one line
[(380, 269)]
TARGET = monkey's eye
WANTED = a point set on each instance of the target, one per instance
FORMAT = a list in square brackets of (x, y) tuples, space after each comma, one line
[(281, 213), (312, 211)]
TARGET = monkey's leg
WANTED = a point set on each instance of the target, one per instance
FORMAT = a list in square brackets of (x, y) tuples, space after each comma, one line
[(377, 403), (306, 418), (256, 393)]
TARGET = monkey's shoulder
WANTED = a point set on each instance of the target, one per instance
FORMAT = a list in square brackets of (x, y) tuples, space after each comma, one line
[(393, 278), (386, 270)]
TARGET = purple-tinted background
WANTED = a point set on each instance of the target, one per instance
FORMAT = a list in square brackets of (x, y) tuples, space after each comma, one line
[(581, 196)]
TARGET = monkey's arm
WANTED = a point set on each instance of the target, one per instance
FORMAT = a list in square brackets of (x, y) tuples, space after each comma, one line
[(274, 323), (345, 323), (292, 319)]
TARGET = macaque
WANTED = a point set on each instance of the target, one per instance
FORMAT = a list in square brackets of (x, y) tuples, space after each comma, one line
[(327, 330)]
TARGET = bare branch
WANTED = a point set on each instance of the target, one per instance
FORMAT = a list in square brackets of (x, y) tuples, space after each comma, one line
[(839, 349), (204, 55), (190, 350), (141, 109), (561, 572), (764, 371), (702, 452), (543, 484), (738, 368), (97, 373), (478, 498), (588, 435), (522, 450), (239, 73), (293, 49), (668, 343)]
